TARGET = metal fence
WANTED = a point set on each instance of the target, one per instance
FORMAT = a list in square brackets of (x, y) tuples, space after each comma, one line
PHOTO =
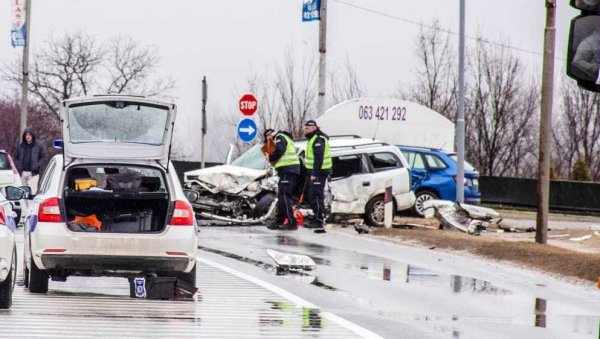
[(564, 195)]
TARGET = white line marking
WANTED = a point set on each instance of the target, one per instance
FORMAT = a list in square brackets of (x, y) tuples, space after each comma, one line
[(361, 331)]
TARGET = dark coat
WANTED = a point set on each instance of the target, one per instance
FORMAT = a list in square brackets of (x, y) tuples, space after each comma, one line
[(37, 152)]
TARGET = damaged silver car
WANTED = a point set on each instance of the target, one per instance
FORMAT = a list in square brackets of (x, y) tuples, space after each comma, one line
[(245, 191)]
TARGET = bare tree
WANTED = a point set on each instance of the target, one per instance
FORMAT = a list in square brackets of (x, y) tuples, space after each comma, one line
[(577, 130), (70, 66), (344, 83), (436, 84), (501, 113)]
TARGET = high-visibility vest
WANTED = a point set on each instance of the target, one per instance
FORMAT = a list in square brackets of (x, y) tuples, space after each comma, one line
[(289, 158), (310, 154)]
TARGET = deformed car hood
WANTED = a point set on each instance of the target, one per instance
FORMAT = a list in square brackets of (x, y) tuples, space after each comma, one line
[(224, 178)]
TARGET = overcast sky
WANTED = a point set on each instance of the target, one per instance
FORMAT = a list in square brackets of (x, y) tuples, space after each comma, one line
[(227, 39)]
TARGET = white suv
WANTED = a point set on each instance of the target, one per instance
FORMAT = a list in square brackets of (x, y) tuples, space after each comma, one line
[(241, 192), (111, 204)]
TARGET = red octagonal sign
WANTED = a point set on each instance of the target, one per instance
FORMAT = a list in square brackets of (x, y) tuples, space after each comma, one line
[(248, 104)]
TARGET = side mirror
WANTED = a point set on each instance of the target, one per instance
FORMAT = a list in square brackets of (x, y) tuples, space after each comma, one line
[(17, 193), (58, 144), (191, 196)]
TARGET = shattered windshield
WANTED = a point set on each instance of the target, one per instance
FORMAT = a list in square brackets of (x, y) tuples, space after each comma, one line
[(252, 158), (117, 121)]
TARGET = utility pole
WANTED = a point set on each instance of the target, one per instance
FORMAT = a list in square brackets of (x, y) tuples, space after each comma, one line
[(460, 117), (25, 84), (543, 186), (204, 99), (322, 58)]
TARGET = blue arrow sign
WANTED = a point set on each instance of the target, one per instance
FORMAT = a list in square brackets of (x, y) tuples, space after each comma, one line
[(247, 130)]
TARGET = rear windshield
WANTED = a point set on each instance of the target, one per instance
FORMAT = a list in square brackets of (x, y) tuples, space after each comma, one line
[(252, 158), (4, 163), (117, 122), (115, 178), (468, 166)]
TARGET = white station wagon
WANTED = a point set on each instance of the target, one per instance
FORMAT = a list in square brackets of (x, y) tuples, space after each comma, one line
[(111, 204)]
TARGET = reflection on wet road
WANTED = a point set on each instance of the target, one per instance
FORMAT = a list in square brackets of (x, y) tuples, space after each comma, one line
[(454, 305)]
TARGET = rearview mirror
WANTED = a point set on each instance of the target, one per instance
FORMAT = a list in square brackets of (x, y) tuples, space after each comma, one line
[(17, 193), (191, 196)]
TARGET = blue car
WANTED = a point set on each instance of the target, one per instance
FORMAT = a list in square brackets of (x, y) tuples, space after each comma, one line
[(433, 174)]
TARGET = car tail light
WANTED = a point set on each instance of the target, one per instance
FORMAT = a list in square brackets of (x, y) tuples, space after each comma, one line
[(49, 211), (2, 216), (183, 215), (464, 180)]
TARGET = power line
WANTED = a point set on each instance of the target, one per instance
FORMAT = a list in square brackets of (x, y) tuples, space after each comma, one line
[(420, 24)]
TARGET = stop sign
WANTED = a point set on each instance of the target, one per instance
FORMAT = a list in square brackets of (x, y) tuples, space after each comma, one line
[(248, 104)]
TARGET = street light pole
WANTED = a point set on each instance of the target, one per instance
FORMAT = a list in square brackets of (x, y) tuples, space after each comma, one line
[(543, 186), (460, 117), (25, 82), (322, 57)]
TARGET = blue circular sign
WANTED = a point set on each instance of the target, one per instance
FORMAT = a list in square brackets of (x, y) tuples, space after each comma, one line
[(247, 130)]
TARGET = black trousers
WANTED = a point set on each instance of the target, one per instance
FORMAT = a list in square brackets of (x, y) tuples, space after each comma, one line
[(285, 201), (316, 197)]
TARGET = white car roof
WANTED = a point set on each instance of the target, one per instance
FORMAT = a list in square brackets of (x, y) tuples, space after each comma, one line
[(340, 144)]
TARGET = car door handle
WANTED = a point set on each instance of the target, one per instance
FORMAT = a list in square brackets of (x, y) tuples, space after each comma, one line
[(366, 183)]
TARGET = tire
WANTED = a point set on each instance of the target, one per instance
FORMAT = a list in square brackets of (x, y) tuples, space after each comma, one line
[(421, 198), (25, 273), (189, 277), (8, 285), (38, 279), (263, 205), (375, 212)]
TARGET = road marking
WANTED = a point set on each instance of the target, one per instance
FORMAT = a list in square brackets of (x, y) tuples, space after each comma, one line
[(363, 332)]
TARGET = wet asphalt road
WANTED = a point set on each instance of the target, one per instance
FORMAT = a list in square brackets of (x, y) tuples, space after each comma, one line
[(405, 292), (361, 287)]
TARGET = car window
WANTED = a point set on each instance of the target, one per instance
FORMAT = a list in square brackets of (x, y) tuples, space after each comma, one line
[(434, 162), (117, 122), (4, 164), (384, 161), (347, 165), (468, 167), (414, 159), (147, 179), (252, 158), (48, 173)]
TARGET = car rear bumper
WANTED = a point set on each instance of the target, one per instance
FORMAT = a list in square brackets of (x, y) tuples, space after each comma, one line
[(102, 264), (53, 246)]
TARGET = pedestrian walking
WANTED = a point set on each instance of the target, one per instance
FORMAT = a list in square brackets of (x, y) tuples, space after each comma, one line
[(287, 163), (318, 165), (29, 156)]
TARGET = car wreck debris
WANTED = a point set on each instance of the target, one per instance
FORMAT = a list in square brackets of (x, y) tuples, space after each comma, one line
[(463, 217)]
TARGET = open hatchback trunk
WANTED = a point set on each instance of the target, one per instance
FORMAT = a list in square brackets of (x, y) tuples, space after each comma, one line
[(117, 128), (116, 199)]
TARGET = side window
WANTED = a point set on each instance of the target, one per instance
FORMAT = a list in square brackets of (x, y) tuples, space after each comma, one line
[(346, 165), (434, 162), (45, 183), (414, 160), (384, 161)]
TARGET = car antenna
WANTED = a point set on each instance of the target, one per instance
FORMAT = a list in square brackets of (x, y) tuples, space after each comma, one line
[(376, 128)]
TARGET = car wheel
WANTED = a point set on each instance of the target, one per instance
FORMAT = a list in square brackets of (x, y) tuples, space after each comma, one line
[(25, 273), (190, 277), (8, 285), (420, 200), (38, 279), (375, 212), (263, 205)]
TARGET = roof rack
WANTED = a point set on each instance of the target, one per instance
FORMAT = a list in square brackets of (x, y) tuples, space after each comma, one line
[(362, 145), (421, 147), (340, 136)]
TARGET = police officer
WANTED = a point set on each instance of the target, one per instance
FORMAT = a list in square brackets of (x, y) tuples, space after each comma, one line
[(286, 162), (318, 165)]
